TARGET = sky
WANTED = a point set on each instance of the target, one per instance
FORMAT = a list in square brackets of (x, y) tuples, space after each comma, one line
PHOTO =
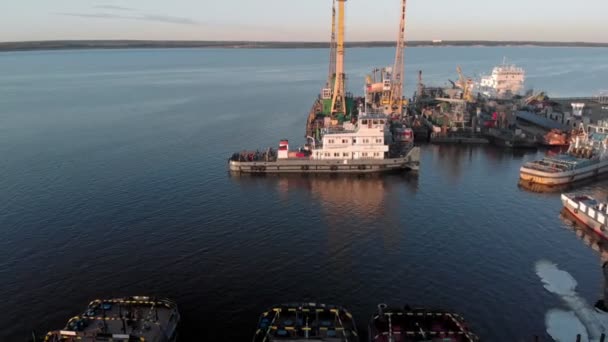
[(302, 20)]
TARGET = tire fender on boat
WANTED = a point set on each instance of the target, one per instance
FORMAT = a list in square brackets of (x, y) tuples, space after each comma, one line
[(333, 168)]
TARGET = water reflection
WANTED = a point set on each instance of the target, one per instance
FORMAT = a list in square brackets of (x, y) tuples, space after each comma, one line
[(370, 202), (585, 234)]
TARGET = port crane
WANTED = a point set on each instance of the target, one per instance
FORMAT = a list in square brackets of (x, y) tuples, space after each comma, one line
[(332, 50), (392, 96), (465, 84), (338, 102)]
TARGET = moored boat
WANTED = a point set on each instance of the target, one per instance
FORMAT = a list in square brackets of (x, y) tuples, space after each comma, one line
[(405, 324), (137, 318), (306, 321), (588, 210), (584, 159), (368, 146)]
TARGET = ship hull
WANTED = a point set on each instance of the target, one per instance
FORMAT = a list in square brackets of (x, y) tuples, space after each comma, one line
[(532, 176), (588, 216), (410, 162)]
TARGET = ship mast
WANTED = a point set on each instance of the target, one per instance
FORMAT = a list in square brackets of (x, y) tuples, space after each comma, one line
[(338, 103), (332, 48), (399, 67)]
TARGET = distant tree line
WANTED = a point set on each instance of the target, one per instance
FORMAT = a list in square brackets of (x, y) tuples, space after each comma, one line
[(140, 44)]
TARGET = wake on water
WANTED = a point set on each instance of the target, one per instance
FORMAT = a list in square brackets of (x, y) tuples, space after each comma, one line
[(583, 319)]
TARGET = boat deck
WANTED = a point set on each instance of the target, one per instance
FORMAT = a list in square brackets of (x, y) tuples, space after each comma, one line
[(122, 319), (409, 325), (305, 322)]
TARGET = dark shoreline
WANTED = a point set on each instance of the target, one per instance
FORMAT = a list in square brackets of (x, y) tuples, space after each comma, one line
[(143, 44)]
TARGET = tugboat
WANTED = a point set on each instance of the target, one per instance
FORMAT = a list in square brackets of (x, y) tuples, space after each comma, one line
[(137, 318), (365, 147), (307, 321), (586, 158), (588, 210), (392, 324)]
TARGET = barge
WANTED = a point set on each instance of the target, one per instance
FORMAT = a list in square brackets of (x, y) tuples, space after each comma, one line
[(407, 324), (138, 318), (588, 210), (586, 158), (306, 321)]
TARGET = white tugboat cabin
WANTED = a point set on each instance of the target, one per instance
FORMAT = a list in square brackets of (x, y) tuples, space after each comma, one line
[(368, 139)]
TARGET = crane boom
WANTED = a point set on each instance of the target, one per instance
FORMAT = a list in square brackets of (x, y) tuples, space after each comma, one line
[(332, 48), (399, 67), (338, 103)]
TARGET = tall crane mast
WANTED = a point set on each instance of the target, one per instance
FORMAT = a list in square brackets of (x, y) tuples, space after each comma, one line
[(332, 48), (396, 99), (338, 103)]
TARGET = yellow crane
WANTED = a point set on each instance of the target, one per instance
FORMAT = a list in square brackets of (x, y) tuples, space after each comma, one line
[(332, 48), (338, 103), (392, 97), (464, 83)]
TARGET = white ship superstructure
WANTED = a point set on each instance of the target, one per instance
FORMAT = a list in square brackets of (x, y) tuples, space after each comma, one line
[(505, 81)]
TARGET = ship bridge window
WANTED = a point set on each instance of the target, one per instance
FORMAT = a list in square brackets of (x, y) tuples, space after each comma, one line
[(375, 122), (364, 122), (379, 141), (336, 154), (330, 141), (344, 141)]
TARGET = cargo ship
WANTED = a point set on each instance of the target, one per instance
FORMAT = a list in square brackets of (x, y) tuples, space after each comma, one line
[(588, 210), (137, 318), (585, 158), (408, 324), (306, 321)]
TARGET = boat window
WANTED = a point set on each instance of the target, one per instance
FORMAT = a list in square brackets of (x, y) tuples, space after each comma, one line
[(330, 141), (354, 140), (382, 122), (327, 154), (344, 141), (364, 154), (376, 154), (364, 122), (345, 154), (375, 122), (336, 154), (366, 141), (379, 141)]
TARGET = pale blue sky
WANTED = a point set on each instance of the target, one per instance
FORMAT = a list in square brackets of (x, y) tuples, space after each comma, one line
[(303, 20)]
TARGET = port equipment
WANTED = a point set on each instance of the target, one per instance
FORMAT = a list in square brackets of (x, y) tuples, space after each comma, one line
[(338, 103)]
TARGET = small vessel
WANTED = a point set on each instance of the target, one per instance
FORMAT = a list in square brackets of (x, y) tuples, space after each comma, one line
[(407, 324), (584, 159), (588, 210), (137, 318), (511, 138), (556, 137), (306, 321)]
